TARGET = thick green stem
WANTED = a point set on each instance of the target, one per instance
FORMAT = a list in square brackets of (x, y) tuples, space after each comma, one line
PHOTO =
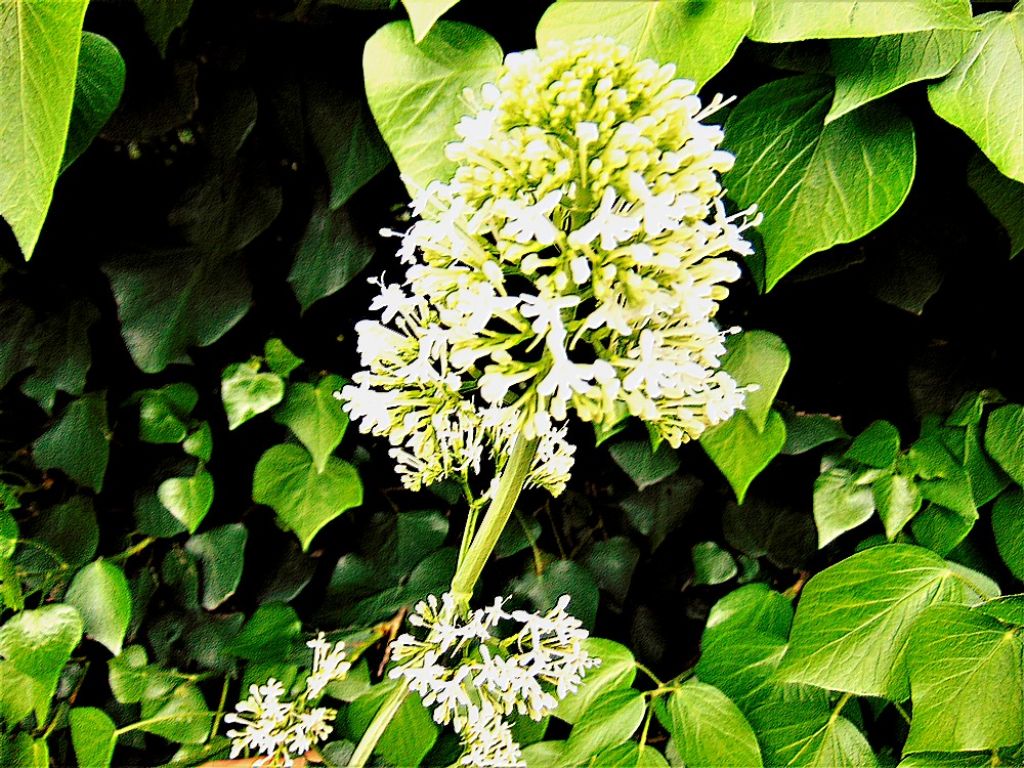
[(510, 485)]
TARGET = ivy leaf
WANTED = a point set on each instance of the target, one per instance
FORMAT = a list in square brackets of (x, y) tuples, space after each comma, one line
[(181, 718), (806, 431), (161, 18), (872, 67), (742, 451), (415, 91), (68, 530), (699, 38), (857, 168), (853, 623), (78, 442), (1008, 527), (1004, 440), (101, 594), (172, 299), (712, 564), (269, 635), (780, 21), (38, 65), (877, 446), (93, 736), (188, 498), (132, 679), (199, 443), (611, 719), (280, 359), (967, 678), (314, 415), (659, 509), (59, 353), (644, 466), (762, 359), (836, 742), (220, 554), (897, 500), (286, 479), (984, 94), (842, 501), (616, 672), (423, 14), (34, 647), (331, 253), (164, 412), (98, 89), (1003, 196), (408, 738), (246, 392), (709, 730)]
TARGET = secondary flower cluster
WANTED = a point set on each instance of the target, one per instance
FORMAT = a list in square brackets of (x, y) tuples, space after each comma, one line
[(282, 730), (473, 679), (575, 261)]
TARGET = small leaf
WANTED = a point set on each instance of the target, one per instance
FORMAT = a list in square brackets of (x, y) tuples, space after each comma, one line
[(246, 392), (199, 443), (101, 594), (779, 21), (1008, 527), (699, 38), (1004, 440), (712, 564), (897, 500), (984, 94), (859, 167), (188, 498), (806, 431), (182, 718), (741, 451), (280, 359), (967, 679), (611, 719), (314, 415), (757, 358), (93, 736), (98, 89), (78, 443), (132, 679), (877, 446), (1003, 196), (709, 730), (423, 14), (616, 671), (220, 554), (164, 412), (644, 466), (415, 91), (287, 480), (842, 501)]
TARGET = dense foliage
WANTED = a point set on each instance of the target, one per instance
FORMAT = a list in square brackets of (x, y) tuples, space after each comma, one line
[(193, 193)]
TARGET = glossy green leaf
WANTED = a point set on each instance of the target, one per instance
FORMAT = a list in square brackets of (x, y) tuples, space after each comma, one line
[(181, 718), (984, 94), (941, 529), (98, 89), (712, 564), (877, 446), (644, 466), (853, 623), (314, 415), (836, 743), (741, 451), (872, 67), (761, 359), (423, 14), (1004, 440), (101, 594), (709, 730), (78, 443), (967, 679), (162, 17), (611, 719), (778, 21), (286, 479), (246, 392), (39, 45), (164, 412), (34, 647), (93, 736), (415, 91), (132, 679), (1003, 196), (698, 37), (200, 442), (843, 500), (616, 671), (856, 170), (1008, 527), (411, 733), (221, 553), (897, 500), (280, 359), (188, 498), (1009, 609)]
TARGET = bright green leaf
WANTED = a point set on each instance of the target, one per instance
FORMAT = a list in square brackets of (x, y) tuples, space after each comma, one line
[(842, 501), (93, 736), (415, 91), (133, 679), (1004, 440), (644, 466), (164, 412), (200, 442), (741, 451), (877, 446), (984, 94), (616, 671), (698, 37), (712, 564), (709, 730), (872, 67), (818, 185), (411, 733), (941, 529), (611, 719), (423, 14), (779, 21), (314, 415), (287, 480), (188, 498), (1003, 196), (1009, 609), (280, 359), (967, 678), (34, 647), (836, 743), (101, 594), (220, 554), (162, 17), (897, 500), (759, 358), (182, 718), (98, 89), (1008, 527), (853, 623), (39, 45), (78, 442), (246, 392)]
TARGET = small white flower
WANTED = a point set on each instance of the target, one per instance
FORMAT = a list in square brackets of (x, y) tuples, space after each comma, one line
[(612, 227)]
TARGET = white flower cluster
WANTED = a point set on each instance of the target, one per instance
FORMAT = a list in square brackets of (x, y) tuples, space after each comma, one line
[(282, 730), (575, 261), (473, 679)]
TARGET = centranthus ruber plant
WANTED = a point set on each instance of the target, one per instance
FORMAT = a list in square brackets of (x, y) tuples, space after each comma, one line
[(574, 263)]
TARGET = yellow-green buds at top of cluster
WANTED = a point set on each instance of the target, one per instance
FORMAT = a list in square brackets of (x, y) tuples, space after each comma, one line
[(574, 262)]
